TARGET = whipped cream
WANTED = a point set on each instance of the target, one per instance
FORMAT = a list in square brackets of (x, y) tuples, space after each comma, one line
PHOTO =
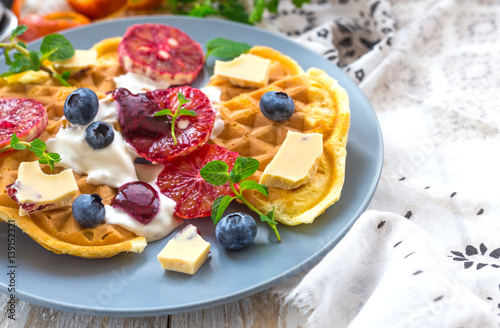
[(137, 83), (160, 226), (214, 93), (112, 165)]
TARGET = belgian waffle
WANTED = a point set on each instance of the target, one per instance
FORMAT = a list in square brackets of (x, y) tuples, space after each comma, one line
[(57, 230), (322, 106)]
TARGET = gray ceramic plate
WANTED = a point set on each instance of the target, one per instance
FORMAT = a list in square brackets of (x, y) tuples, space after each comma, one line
[(135, 285)]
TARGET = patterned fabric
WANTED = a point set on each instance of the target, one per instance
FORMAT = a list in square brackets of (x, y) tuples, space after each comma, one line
[(430, 69)]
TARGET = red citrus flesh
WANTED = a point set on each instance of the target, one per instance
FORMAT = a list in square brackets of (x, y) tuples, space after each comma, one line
[(27, 118), (139, 200), (181, 181), (161, 52), (151, 136)]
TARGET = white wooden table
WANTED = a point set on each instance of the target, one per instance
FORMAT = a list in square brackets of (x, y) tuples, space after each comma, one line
[(261, 310)]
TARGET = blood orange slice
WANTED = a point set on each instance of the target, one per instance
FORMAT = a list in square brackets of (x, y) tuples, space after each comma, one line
[(151, 136), (161, 52), (26, 118), (181, 181)]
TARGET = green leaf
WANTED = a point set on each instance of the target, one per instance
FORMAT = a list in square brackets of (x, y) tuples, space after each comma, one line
[(38, 147), (65, 75), (62, 80), (18, 31), (243, 168), (21, 63), (184, 111), (164, 112), (8, 61), (56, 47), (182, 99), (299, 3), (252, 185), (14, 143), (234, 11), (202, 11), (272, 6), (53, 157), (258, 10), (269, 218), (220, 205), (224, 48), (215, 172), (35, 56), (22, 44)]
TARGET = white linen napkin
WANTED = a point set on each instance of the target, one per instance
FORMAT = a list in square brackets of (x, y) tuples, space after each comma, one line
[(430, 69)]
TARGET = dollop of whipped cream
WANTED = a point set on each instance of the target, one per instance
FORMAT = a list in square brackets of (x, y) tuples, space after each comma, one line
[(160, 226), (112, 165), (214, 93), (137, 83)]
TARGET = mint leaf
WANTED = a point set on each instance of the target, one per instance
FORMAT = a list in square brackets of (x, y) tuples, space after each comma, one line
[(66, 74), (62, 80), (224, 48), (35, 56), (186, 112), (182, 99), (252, 185), (54, 157), (258, 10), (269, 218), (14, 143), (215, 172), (18, 31), (22, 44), (38, 147), (219, 205), (56, 47), (8, 61), (234, 10), (20, 63), (164, 112), (243, 168)]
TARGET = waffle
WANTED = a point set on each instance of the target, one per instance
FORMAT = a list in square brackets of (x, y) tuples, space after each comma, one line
[(322, 106), (57, 230), (281, 66)]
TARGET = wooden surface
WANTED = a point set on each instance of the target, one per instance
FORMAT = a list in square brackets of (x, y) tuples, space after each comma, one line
[(261, 310)]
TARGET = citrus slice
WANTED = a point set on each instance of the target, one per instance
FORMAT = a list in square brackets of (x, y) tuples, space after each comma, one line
[(181, 181), (26, 118), (151, 136), (161, 52)]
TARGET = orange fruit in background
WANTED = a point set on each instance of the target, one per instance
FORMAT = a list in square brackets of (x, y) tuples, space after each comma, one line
[(39, 25), (22, 8), (97, 8), (144, 4)]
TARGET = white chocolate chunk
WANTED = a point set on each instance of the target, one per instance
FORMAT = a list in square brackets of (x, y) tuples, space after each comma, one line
[(246, 71), (185, 252), (295, 163)]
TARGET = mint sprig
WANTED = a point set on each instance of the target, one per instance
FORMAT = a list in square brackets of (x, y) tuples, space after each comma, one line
[(225, 48), (216, 173), (53, 47), (179, 112), (37, 146)]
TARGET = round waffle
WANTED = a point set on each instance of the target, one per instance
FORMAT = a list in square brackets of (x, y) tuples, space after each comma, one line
[(57, 230), (281, 66), (321, 106)]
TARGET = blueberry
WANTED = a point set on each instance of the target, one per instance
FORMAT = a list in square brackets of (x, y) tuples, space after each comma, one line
[(277, 106), (88, 210), (236, 231), (81, 106), (99, 135)]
